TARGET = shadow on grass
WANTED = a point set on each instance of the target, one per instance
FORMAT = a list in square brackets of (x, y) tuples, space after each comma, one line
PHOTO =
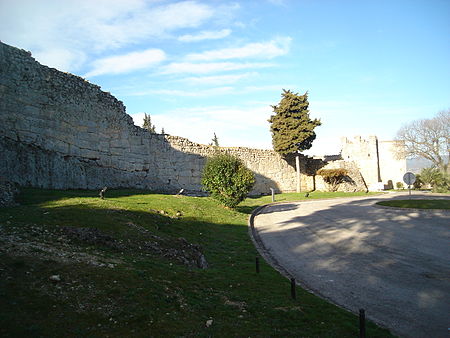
[(35, 195), (149, 294)]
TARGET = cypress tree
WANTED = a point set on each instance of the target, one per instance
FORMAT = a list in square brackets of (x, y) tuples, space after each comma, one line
[(148, 124), (291, 127), (215, 141)]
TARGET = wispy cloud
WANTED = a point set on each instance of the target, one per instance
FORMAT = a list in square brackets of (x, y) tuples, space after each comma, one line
[(218, 79), (73, 27), (197, 90), (126, 63), (278, 2), (61, 58), (204, 121), (211, 67), (205, 35), (262, 50), (186, 93)]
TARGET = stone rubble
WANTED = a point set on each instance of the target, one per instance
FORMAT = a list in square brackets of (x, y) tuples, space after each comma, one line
[(8, 193)]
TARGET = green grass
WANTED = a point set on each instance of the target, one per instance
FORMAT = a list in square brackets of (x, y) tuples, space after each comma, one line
[(417, 204), (105, 291)]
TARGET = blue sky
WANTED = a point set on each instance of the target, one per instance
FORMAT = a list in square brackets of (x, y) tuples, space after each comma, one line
[(204, 67)]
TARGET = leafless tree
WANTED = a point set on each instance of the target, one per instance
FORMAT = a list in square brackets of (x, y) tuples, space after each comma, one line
[(428, 138)]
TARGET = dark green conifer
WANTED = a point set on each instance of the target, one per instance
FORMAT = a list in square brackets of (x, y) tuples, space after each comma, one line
[(148, 124), (292, 129), (215, 141)]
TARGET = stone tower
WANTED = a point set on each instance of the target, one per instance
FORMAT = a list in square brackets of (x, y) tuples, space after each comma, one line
[(378, 161)]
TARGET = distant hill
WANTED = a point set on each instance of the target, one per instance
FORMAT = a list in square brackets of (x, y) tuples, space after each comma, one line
[(415, 165)]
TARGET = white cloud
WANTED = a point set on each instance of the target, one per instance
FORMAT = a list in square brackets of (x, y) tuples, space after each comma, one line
[(186, 93), (203, 68), (208, 91), (126, 63), (61, 59), (234, 126), (264, 50), (205, 35), (218, 79), (77, 28), (237, 126)]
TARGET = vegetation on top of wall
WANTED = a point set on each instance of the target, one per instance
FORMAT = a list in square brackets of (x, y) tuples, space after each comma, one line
[(214, 141), (333, 177), (227, 179), (148, 125)]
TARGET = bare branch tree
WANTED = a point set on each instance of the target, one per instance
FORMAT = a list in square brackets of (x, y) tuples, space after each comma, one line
[(429, 139)]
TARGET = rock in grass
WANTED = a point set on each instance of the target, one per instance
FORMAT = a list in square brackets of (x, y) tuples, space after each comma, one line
[(55, 278)]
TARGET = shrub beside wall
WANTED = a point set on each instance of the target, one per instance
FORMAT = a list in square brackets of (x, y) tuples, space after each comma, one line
[(227, 179)]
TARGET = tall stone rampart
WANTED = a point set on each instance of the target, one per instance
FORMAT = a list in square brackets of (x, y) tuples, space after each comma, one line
[(59, 131), (270, 169)]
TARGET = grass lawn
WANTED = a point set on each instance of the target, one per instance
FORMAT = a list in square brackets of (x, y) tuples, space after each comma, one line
[(117, 275), (418, 204)]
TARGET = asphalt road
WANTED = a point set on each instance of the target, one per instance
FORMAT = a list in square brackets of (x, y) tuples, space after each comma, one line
[(393, 263)]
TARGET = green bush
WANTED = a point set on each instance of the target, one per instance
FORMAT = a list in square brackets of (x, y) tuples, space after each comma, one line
[(227, 179), (439, 181), (418, 183), (399, 185)]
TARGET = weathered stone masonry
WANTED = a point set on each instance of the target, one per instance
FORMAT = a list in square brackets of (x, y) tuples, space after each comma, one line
[(59, 131)]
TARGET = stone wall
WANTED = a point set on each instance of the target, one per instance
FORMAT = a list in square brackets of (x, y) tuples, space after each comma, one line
[(60, 131)]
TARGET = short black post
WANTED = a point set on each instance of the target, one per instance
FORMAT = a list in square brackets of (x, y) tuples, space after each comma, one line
[(293, 295), (257, 264), (362, 323)]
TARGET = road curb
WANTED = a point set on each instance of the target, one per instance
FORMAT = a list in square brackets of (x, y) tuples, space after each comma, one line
[(259, 245), (272, 261), (437, 212)]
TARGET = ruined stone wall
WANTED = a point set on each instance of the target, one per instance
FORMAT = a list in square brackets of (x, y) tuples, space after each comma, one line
[(270, 169), (60, 131)]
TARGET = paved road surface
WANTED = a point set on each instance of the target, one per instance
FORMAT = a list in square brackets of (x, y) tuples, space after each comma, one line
[(393, 263)]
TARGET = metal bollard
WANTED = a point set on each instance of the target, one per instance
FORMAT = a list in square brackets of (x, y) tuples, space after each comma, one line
[(362, 323), (293, 293)]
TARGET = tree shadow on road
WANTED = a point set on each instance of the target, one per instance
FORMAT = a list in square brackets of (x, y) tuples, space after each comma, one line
[(356, 255)]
